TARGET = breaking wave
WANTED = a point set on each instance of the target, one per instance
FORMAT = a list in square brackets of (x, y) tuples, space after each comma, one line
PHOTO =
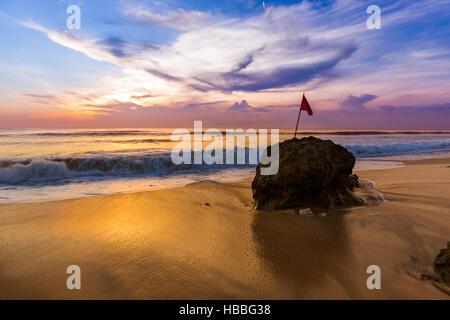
[(149, 162), (37, 171), (34, 171)]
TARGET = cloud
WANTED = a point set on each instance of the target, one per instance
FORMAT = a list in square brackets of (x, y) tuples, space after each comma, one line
[(115, 46), (38, 96), (121, 48), (206, 106), (398, 117), (163, 75), (276, 77), (266, 57), (222, 54), (442, 109), (215, 114), (244, 107), (109, 107), (141, 97), (356, 103), (179, 19), (93, 48)]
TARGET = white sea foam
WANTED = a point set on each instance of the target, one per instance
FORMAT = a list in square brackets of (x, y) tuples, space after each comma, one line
[(66, 170), (36, 171), (369, 192)]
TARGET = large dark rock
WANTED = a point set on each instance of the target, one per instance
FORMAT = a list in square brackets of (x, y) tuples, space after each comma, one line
[(442, 264), (312, 173)]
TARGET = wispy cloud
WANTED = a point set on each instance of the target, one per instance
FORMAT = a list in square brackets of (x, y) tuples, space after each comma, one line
[(179, 19), (254, 54), (265, 58), (38, 96)]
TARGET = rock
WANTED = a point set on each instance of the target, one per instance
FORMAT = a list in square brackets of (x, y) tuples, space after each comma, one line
[(306, 212), (442, 264), (312, 173)]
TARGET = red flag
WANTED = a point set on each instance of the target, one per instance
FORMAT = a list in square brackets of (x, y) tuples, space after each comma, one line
[(305, 106)]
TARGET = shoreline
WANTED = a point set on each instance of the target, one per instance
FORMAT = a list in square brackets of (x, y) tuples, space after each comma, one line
[(136, 184), (202, 241)]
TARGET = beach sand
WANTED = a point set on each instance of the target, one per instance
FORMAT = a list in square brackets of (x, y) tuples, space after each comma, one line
[(203, 241)]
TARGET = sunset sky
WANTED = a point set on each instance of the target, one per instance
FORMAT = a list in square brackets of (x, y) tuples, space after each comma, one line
[(240, 63)]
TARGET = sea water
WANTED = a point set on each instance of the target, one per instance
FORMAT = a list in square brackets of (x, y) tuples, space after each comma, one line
[(48, 164)]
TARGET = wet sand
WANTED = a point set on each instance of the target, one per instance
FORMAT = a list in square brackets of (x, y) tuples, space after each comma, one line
[(203, 241)]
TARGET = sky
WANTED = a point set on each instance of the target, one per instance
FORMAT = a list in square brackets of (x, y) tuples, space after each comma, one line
[(231, 64)]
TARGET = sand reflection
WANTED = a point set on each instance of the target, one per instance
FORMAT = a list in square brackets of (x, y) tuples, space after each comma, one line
[(304, 253)]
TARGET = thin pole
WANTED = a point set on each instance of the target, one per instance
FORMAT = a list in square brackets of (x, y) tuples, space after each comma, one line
[(298, 119)]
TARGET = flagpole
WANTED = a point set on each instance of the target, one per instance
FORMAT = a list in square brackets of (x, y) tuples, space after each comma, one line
[(298, 119)]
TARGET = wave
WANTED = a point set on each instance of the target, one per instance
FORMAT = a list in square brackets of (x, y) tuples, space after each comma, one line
[(394, 149), (136, 141), (123, 141), (50, 170), (86, 133), (368, 192), (34, 171), (44, 170), (346, 133)]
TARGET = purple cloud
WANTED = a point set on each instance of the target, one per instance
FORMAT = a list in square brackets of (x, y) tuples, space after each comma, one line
[(244, 107), (356, 103)]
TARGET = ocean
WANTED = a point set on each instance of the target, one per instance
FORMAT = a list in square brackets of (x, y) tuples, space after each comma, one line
[(47, 164)]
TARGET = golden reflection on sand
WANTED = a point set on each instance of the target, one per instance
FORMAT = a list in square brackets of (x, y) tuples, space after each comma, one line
[(169, 244)]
